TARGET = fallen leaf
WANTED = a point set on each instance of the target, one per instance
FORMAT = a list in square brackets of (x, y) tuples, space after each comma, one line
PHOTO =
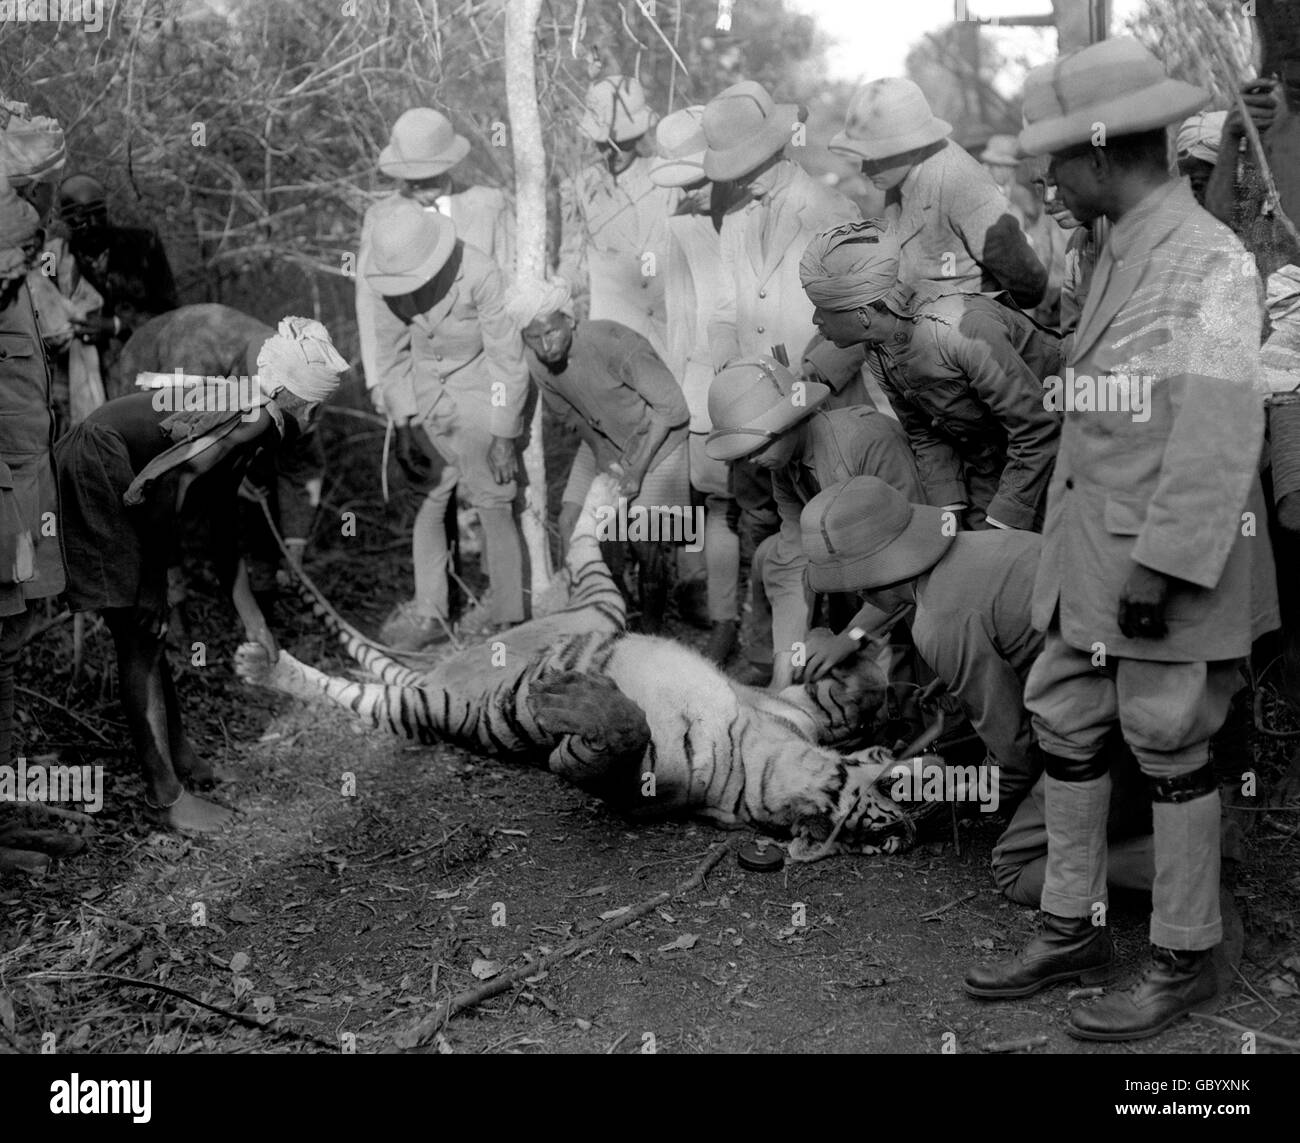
[(446, 894), (636, 956), (512, 832), (685, 941), (583, 1025), (243, 915), (610, 914), (594, 891), (443, 1045), (81, 1037), (240, 961), (305, 928), (484, 969), (1293, 963), (1283, 986), (667, 916), (986, 943)]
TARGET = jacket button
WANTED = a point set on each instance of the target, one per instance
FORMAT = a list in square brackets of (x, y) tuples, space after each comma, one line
[(1069, 482), (760, 329), (762, 293)]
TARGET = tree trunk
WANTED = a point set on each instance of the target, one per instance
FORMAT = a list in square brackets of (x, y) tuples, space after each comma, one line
[(530, 246)]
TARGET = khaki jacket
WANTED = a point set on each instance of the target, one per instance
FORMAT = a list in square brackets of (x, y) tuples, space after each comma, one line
[(482, 219), (955, 227), (464, 356), (761, 302), (1168, 303), (614, 240)]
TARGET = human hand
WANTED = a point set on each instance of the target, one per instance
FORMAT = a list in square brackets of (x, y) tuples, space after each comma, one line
[(826, 651), (1142, 604), (502, 461)]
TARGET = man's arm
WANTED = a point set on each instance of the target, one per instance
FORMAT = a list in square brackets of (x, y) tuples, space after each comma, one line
[(1212, 451), (368, 304), (996, 241), (783, 577), (982, 351), (503, 350), (650, 379), (394, 363), (936, 460)]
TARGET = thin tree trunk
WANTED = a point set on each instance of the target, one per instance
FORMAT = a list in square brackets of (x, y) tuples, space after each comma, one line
[(530, 245)]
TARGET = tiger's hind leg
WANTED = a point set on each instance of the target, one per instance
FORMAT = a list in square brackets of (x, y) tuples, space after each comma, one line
[(591, 587), (602, 733)]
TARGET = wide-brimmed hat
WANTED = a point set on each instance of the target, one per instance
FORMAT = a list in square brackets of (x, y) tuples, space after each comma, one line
[(889, 117), (682, 144), (616, 110), (1199, 137), (864, 534), (1116, 84), (408, 246), (423, 145), (753, 402), (1001, 151), (744, 126)]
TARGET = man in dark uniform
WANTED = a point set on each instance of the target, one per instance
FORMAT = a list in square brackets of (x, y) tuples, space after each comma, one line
[(126, 264)]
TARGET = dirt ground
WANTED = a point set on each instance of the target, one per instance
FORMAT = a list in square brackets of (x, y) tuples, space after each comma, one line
[(327, 922)]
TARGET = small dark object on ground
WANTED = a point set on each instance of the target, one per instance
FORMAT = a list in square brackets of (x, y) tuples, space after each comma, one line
[(760, 857)]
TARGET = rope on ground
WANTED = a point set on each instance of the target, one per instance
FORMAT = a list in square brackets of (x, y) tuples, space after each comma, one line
[(429, 1026)]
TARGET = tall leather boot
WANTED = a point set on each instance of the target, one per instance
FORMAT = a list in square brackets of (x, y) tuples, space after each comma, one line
[(1065, 948), (1174, 984)]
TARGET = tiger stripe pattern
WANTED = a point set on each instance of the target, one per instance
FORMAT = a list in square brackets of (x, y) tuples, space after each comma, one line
[(644, 722)]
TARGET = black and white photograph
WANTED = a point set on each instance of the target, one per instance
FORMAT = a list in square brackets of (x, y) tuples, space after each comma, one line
[(649, 527)]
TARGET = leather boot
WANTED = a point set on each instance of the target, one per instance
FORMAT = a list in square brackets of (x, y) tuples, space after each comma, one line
[(1065, 948), (1175, 983), (722, 641)]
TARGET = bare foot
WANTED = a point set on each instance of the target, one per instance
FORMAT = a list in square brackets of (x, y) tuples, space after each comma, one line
[(194, 815), (192, 769)]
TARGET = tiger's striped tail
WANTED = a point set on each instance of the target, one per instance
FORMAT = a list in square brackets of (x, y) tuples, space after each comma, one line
[(358, 646)]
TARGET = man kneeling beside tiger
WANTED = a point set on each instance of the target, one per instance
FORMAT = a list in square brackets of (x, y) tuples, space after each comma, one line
[(643, 722)]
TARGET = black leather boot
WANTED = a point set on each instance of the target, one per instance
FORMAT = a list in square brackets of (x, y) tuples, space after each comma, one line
[(722, 641), (1175, 983), (1065, 948)]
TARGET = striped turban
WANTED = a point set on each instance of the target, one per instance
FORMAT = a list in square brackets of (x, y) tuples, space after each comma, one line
[(850, 266), (302, 359)]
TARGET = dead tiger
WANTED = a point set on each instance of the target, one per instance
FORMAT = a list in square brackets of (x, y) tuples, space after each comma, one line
[(643, 722)]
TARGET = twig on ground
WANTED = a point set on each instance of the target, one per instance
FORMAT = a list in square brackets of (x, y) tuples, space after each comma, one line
[(72, 714), (429, 1026), (236, 1017), (933, 914), (1017, 1045), (40, 628)]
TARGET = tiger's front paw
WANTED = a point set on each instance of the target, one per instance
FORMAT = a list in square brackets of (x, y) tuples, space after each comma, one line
[(253, 664), (593, 708), (603, 492)]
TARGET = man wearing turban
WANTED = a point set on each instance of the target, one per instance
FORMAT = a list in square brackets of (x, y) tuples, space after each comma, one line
[(124, 473), (608, 383), (964, 373)]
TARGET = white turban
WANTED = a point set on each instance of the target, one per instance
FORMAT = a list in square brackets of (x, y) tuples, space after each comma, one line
[(531, 298), (32, 148), (302, 359), (1198, 137)]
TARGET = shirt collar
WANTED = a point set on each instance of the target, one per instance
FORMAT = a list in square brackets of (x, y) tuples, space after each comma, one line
[(1129, 230)]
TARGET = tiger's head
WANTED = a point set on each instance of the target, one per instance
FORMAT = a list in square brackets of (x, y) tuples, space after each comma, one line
[(864, 818)]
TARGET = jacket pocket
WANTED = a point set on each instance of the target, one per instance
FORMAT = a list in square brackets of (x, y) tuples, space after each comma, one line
[(16, 345), (1124, 517)]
